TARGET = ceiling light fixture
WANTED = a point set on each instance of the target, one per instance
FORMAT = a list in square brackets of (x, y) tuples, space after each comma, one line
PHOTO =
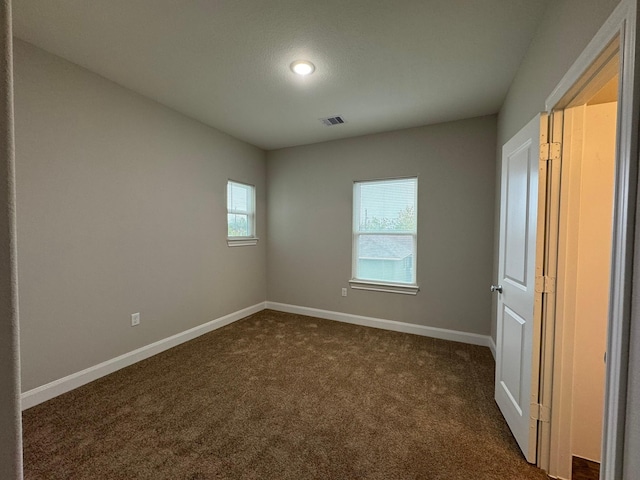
[(302, 67)]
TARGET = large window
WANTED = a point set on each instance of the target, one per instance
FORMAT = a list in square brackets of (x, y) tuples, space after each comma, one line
[(385, 220), (241, 223)]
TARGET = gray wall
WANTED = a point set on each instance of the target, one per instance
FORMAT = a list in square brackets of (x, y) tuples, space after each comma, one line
[(10, 418), (631, 460), (310, 221), (121, 209), (566, 29)]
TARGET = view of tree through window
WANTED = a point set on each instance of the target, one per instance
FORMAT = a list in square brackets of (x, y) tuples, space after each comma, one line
[(405, 221), (385, 230), (238, 225)]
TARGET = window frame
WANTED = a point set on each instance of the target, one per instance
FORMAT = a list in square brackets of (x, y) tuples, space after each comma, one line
[(409, 288), (251, 239)]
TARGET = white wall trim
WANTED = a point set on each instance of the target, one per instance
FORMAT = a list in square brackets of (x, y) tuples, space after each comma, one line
[(442, 333), (70, 382), (58, 387), (384, 287), (492, 347), (242, 242)]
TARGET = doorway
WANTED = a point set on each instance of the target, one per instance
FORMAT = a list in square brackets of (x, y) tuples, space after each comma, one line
[(547, 353), (583, 283)]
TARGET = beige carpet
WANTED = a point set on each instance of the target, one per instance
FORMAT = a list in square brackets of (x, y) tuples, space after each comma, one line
[(280, 396)]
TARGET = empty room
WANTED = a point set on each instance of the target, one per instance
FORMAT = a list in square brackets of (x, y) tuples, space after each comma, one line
[(319, 240)]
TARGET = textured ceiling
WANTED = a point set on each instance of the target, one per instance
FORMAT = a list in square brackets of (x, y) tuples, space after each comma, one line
[(383, 65)]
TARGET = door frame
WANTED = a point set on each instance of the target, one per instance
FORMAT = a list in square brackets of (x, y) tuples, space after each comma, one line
[(621, 24)]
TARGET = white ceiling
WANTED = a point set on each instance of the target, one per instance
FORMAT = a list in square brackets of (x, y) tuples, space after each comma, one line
[(382, 64)]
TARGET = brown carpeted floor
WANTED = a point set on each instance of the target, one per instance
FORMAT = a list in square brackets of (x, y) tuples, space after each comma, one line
[(280, 396)]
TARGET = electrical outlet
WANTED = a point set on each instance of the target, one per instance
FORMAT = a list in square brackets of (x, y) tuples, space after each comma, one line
[(135, 319), (344, 292)]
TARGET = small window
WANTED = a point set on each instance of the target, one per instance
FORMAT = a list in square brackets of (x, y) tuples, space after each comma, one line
[(241, 214), (385, 226)]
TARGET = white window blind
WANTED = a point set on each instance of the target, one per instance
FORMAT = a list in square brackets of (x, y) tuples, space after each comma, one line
[(240, 210), (385, 231)]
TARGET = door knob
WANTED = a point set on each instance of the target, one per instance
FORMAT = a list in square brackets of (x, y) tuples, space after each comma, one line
[(496, 288)]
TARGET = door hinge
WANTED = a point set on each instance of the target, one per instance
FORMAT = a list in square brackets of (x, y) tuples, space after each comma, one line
[(540, 413), (545, 284), (550, 151)]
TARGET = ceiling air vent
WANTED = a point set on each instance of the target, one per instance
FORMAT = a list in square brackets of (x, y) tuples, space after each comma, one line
[(330, 121)]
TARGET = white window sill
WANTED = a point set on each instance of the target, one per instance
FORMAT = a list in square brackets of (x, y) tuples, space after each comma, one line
[(242, 242), (384, 287)]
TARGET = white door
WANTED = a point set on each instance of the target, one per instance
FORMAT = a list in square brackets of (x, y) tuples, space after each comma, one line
[(517, 337)]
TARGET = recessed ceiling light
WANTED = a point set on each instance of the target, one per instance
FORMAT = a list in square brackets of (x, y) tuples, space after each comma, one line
[(302, 67)]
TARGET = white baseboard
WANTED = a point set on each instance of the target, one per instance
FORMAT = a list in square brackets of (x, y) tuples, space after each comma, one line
[(554, 477), (442, 333), (58, 387), (492, 346)]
